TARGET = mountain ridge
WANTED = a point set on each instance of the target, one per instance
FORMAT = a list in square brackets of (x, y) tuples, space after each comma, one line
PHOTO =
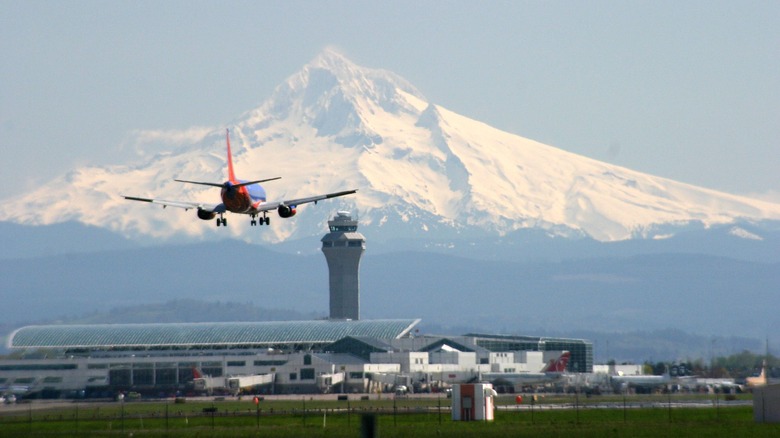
[(421, 170), (695, 293)]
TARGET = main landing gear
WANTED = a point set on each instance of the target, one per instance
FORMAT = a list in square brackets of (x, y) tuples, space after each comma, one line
[(263, 220)]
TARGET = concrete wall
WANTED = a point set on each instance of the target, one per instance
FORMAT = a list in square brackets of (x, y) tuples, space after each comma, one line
[(766, 404)]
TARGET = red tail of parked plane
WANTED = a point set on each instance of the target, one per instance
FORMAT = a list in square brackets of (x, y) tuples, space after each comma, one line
[(554, 371), (558, 365), (243, 197)]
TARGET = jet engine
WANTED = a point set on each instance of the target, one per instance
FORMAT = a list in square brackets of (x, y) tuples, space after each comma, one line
[(206, 215), (286, 211)]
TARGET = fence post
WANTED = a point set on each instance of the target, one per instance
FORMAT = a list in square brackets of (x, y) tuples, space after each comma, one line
[(369, 427), (439, 408)]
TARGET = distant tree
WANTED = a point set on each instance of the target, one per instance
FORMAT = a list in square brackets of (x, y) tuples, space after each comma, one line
[(649, 368), (719, 373), (742, 364), (697, 368)]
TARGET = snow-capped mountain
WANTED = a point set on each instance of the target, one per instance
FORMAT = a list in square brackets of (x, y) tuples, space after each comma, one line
[(421, 170)]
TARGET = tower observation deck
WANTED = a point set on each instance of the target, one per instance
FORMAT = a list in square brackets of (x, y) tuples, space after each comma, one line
[(343, 247)]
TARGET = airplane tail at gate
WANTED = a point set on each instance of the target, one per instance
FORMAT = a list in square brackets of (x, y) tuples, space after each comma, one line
[(558, 365)]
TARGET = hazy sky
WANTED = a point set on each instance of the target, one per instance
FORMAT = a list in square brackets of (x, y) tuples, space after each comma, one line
[(686, 90)]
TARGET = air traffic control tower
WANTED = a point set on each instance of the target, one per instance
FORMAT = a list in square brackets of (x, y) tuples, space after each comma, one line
[(343, 247)]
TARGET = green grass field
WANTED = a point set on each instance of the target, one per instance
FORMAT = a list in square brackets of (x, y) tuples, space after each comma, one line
[(645, 416)]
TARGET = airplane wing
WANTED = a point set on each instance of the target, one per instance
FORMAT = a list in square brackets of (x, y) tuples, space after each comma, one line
[(267, 206), (216, 208)]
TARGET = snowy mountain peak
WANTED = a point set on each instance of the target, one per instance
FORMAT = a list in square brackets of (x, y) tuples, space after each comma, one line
[(377, 84), (421, 171), (337, 98), (332, 59)]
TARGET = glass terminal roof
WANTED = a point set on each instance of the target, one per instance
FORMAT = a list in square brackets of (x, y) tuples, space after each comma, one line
[(205, 334)]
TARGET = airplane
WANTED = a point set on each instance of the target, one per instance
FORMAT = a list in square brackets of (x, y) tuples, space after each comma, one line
[(240, 196), (12, 392), (641, 381), (233, 384), (720, 384), (202, 382), (759, 380), (553, 371), (15, 389)]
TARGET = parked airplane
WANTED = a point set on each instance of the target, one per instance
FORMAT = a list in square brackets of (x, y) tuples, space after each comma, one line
[(11, 392), (759, 380), (641, 381), (694, 383), (554, 370), (15, 389), (202, 382), (233, 384), (240, 196)]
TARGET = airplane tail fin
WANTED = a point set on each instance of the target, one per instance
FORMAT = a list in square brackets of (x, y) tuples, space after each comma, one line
[(559, 365), (196, 374), (231, 174)]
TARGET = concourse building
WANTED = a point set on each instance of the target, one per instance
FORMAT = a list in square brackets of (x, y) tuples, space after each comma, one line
[(166, 359), (290, 357)]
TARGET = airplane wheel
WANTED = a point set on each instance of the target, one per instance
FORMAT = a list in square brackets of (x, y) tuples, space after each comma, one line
[(253, 222), (224, 222), (268, 221), (219, 221)]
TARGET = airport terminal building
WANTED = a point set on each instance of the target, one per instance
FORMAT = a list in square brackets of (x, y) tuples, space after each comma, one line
[(341, 354), (264, 357)]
